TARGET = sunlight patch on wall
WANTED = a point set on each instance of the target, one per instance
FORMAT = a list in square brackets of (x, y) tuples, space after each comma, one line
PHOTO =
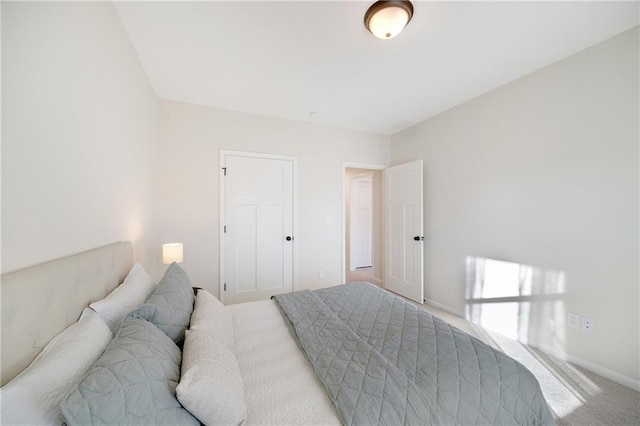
[(522, 302)]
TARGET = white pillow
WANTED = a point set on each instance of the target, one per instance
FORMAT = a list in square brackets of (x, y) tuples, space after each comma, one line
[(33, 397), (125, 298), (210, 384), (212, 317)]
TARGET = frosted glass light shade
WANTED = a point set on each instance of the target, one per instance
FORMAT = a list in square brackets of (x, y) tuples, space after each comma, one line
[(172, 253), (385, 19)]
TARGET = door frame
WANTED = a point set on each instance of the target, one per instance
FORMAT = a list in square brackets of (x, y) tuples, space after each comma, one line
[(222, 214), (345, 166)]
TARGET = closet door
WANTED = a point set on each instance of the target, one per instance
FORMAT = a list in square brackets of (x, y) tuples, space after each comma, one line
[(257, 238)]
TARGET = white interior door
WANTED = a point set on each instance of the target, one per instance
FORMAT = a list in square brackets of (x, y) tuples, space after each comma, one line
[(403, 230), (361, 221), (258, 228)]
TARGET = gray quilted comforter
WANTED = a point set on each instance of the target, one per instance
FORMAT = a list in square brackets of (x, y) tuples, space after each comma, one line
[(385, 361)]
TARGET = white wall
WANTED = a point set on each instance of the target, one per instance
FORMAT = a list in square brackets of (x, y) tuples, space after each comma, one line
[(78, 133), (544, 172), (191, 138)]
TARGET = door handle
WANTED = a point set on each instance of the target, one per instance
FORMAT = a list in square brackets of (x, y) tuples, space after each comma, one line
[(289, 238), (417, 238)]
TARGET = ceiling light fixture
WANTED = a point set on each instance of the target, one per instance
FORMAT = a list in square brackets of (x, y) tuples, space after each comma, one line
[(385, 19)]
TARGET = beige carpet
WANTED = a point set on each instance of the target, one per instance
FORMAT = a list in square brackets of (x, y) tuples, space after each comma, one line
[(576, 396), (359, 275)]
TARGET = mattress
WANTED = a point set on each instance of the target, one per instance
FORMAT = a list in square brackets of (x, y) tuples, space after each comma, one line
[(280, 384)]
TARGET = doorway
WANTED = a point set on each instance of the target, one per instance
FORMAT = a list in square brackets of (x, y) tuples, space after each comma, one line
[(398, 255), (363, 224), (361, 221)]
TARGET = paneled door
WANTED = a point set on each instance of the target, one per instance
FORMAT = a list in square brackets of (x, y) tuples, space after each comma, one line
[(403, 230), (257, 238)]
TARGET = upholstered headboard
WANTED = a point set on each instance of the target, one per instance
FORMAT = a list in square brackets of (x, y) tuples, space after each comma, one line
[(41, 301)]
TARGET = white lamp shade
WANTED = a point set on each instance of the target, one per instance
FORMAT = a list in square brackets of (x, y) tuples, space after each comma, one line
[(172, 253)]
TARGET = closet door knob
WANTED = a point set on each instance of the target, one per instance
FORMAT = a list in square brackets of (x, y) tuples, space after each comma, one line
[(289, 238)]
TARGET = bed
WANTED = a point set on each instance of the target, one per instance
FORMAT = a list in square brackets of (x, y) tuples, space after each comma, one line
[(92, 339)]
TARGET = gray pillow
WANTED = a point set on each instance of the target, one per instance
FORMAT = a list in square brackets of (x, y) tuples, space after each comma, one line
[(133, 382), (171, 304)]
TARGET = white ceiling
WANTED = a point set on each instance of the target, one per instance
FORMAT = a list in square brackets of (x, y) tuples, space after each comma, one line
[(288, 59)]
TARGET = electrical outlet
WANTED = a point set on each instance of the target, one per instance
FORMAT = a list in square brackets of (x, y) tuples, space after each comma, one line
[(573, 320), (588, 325), (321, 274)]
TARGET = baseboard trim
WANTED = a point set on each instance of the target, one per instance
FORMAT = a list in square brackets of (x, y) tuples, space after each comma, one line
[(445, 308), (377, 281), (587, 365), (601, 371)]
